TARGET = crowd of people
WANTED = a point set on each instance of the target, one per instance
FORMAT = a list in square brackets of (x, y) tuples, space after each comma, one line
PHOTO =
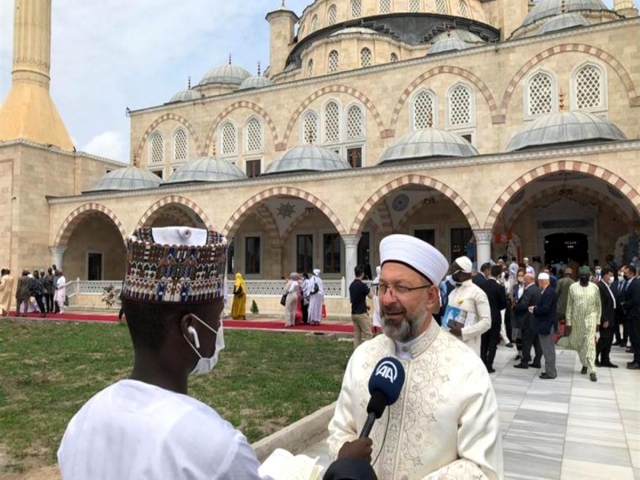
[(34, 291), (303, 298)]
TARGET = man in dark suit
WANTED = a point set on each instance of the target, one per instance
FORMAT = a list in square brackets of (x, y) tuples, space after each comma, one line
[(632, 314), (607, 320), (544, 319), (529, 298), (482, 275), (497, 302), (621, 331)]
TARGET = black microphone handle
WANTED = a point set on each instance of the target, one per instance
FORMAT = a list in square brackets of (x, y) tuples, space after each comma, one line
[(368, 425)]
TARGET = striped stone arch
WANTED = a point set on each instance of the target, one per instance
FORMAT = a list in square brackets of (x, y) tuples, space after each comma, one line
[(270, 225), (210, 139), (601, 198), (79, 214), (333, 89), (562, 166), (241, 213), (296, 221), (165, 118), (385, 218), (156, 209), (615, 65), (400, 182), (451, 70)]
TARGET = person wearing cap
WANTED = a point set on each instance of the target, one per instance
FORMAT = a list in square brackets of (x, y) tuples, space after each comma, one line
[(544, 317), (61, 292), (445, 423), (316, 298), (583, 314), (472, 301)]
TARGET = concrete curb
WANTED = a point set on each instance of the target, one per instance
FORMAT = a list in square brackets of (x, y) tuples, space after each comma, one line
[(299, 436)]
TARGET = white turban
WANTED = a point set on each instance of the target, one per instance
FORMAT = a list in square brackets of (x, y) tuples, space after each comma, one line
[(415, 254), (544, 276)]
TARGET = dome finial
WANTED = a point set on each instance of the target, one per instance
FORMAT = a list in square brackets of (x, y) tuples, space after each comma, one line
[(229, 59), (259, 74), (563, 6), (430, 121), (282, 3), (561, 100), (189, 82), (135, 159), (448, 30)]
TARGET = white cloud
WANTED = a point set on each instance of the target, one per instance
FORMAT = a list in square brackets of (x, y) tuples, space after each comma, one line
[(107, 144)]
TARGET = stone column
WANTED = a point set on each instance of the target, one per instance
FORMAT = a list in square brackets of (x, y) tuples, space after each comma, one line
[(483, 246), (351, 258), (58, 255)]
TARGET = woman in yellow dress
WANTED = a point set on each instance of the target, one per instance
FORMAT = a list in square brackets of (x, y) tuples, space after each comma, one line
[(239, 306)]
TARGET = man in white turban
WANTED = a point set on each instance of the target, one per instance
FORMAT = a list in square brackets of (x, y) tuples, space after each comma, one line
[(445, 423), (316, 298)]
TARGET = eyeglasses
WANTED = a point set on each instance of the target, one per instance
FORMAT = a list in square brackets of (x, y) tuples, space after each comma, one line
[(399, 290)]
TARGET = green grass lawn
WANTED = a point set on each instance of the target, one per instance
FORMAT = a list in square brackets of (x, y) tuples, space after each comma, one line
[(263, 381)]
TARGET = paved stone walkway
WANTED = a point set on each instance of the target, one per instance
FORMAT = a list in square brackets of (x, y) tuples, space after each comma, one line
[(568, 428)]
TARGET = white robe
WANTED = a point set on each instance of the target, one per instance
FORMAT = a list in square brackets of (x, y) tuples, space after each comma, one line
[(445, 423), (377, 320), (61, 290), (133, 430), (316, 299), (471, 298)]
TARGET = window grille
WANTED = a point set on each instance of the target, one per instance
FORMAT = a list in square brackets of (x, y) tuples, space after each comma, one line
[(157, 148), (365, 57), (228, 139), (334, 61), (356, 8), (460, 106), (332, 123), (310, 68), (385, 6), (254, 135), (588, 85), (540, 94), (355, 122), (180, 145), (310, 128), (314, 23), (415, 5), (332, 15), (423, 110), (394, 58), (464, 11)]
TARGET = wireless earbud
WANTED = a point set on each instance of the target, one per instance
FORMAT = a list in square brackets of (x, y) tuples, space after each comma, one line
[(194, 334)]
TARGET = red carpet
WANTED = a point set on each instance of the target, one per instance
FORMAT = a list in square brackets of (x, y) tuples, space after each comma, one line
[(231, 324)]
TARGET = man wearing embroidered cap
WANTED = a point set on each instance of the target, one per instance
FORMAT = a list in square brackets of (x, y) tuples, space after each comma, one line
[(445, 423), (146, 426)]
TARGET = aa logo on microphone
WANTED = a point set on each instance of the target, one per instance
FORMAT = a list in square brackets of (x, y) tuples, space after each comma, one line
[(387, 370)]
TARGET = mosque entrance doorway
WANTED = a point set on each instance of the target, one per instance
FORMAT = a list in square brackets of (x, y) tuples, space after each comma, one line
[(563, 247)]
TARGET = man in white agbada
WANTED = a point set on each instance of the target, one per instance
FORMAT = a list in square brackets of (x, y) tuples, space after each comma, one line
[(61, 291), (147, 427), (473, 303), (445, 423), (316, 298)]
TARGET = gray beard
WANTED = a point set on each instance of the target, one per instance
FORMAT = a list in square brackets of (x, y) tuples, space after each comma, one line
[(408, 330)]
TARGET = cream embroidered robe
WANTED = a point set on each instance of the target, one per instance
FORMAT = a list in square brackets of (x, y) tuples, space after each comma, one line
[(445, 421)]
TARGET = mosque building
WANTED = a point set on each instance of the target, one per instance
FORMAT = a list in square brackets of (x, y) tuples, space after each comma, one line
[(484, 127)]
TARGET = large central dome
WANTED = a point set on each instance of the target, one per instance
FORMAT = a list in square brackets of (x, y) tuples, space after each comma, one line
[(550, 8)]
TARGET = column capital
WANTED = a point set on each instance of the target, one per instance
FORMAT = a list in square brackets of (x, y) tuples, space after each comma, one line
[(483, 236), (58, 250), (351, 240)]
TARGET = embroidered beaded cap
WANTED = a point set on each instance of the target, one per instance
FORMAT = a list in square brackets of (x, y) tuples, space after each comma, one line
[(162, 273)]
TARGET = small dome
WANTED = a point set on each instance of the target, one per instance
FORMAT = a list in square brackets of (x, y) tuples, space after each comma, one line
[(565, 127), (551, 8), (128, 178), (225, 75), (563, 22), (206, 169), (448, 44), (464, 35), (428, 142), (185, 96), (354, 30), (304, 158), (257, 81)]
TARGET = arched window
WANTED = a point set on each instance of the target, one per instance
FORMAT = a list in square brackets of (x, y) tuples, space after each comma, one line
[(334, 61), (310, 128), (332, 123), (180, 145), (461, 110), (332, 15), (156, 152), (540, 94), (394, 58), (253, 131), (424, 110), (314, 23), (356, 8), (229, 139), (310, 68), (365, 57), (589, 88), (462, 6), (415, 5), (385, 6), (355, 123), (441, 7)]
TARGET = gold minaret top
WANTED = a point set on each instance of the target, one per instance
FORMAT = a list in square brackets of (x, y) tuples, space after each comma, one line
[(28, 111)]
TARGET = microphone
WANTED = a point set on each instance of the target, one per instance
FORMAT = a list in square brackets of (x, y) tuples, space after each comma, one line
[(385, 386)]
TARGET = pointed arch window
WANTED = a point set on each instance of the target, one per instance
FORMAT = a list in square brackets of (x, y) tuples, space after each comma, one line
[(464, 10), (355, 123), (589, 87), (541, 94), (365, 57), (441, 7), (332, 123), (334, 61), (314, 23), (254, 135), (229, 139), (385, 6), (332, 15), (156, 152), (310, 128), (180, 145), (415, 5), (394, 58), (356, 8), (461, 107), (310, 68), (424, 110)]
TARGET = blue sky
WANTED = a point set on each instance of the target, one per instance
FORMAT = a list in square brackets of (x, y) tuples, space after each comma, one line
[(111, 54)]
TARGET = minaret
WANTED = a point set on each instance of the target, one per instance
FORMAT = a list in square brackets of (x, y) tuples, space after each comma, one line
[(28, 111), (282, 23), (625, 8)]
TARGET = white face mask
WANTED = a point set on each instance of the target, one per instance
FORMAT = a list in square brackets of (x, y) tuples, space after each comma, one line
[(206, 364)]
